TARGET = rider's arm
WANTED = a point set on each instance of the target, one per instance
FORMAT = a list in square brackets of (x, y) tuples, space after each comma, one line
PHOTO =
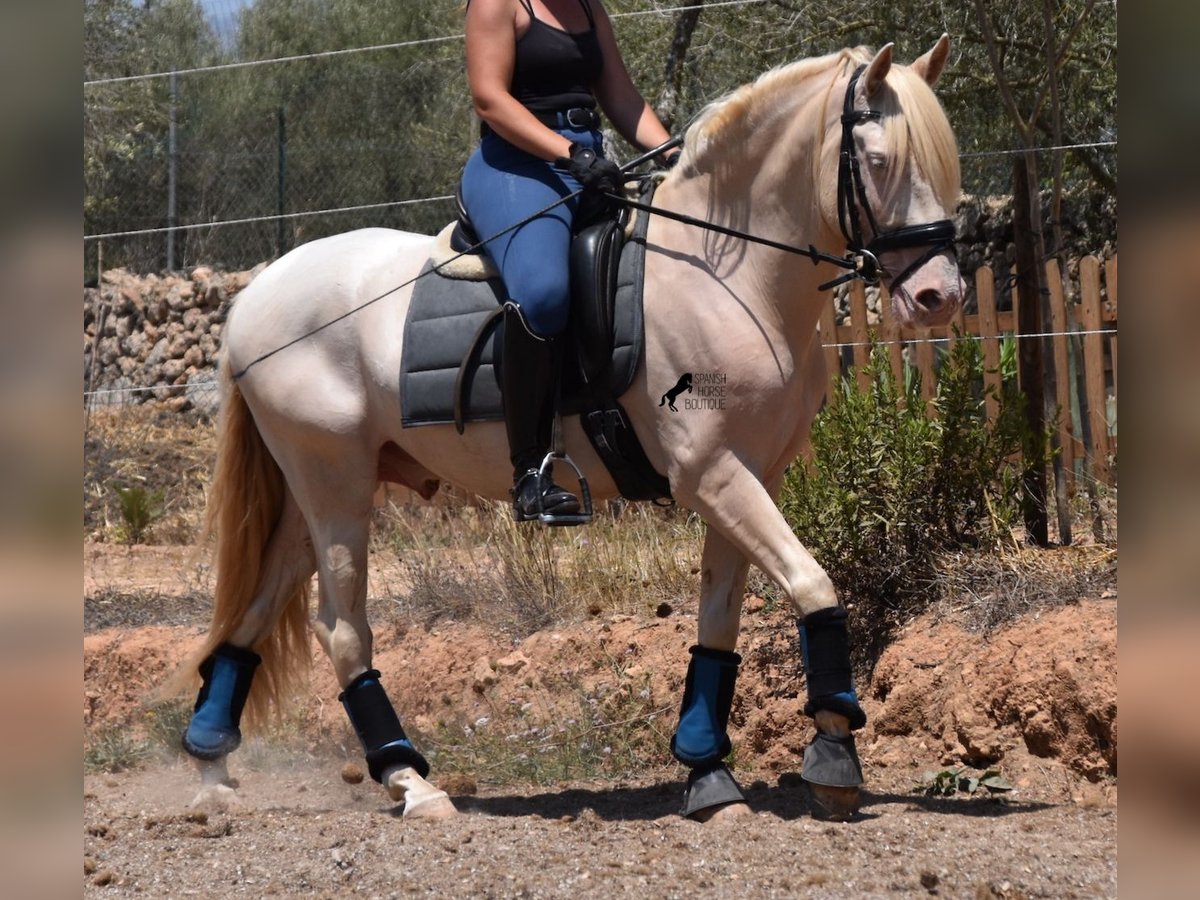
[(491, 56), (620, 99)]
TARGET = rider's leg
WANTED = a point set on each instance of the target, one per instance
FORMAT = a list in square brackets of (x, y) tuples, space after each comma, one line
[(503, 185), (529, 374)]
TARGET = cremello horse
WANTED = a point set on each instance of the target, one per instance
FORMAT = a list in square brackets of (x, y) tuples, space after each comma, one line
[(309, 430)]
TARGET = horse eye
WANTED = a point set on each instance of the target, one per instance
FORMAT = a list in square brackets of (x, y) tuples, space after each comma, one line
[(877, 161)]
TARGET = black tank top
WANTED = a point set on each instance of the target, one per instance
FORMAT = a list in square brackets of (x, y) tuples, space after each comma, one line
[(555, 69)]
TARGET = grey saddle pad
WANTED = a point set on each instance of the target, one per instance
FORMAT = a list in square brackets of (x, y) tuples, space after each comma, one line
[(444, 318)]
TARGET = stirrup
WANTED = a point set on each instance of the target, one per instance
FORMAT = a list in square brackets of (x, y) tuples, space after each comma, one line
[(584, 516)]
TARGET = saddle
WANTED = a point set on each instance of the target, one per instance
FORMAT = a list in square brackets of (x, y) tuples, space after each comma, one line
[(453, 335)]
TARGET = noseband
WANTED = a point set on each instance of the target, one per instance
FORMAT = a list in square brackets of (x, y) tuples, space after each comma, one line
[(852, 205)]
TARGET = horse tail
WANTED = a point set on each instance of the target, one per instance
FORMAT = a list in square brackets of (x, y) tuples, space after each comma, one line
[(245, 502), (664, 399)]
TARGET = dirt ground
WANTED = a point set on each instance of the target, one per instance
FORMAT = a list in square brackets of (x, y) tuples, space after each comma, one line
[(1036, 699)]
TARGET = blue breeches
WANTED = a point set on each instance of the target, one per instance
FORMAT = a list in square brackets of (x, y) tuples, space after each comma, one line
[(502, 185)]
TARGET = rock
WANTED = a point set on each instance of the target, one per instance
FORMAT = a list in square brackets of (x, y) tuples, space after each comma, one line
[(201, 273), (193, 356), (158, 353), (458, 784), (482, 675), (512, 663), (172, 369), (134, 346), (157, 310), (202, 391), (109, 349), (178, 345), (352, 773), (209, 347)]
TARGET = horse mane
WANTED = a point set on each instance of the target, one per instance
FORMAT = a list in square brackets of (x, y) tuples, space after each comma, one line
[(909, 103)]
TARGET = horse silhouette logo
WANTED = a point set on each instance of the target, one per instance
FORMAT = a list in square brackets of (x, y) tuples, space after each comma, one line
[(683, 384)]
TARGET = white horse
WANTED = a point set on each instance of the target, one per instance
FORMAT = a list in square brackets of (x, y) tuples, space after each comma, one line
[(309, 431)]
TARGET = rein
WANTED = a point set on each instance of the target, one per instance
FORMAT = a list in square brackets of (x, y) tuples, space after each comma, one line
[(861, 261), (862, 258)]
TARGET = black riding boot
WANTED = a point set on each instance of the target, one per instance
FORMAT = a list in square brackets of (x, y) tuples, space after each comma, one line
[(529, 370)]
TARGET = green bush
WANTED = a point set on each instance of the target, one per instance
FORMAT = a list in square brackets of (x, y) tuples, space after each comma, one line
[(892, 484)]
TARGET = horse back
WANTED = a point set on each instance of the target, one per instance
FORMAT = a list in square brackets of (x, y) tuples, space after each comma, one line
[(329, 295)]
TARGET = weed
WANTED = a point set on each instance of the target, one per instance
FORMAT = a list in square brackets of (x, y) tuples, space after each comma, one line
[(115, 749), (139, 509), (602, 732), (948, 782), (165, 723)]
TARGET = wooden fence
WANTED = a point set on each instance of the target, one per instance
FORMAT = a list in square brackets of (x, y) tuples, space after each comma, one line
[(1087, 319)]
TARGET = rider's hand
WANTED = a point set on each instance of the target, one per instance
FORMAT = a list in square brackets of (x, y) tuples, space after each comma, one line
[(594, 172)]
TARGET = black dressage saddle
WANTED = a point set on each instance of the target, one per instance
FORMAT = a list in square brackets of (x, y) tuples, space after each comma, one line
[(453, 341)]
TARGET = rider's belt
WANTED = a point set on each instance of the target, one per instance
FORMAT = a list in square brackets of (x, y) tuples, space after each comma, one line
[(575, 117)]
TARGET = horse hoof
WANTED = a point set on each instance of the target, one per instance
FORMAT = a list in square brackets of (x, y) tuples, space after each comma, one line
[(421, 799), (434, 806), (215, 798), (727, 812), (834, 804)]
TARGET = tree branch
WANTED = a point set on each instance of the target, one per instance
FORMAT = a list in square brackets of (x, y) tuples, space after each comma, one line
[(1006, 96)]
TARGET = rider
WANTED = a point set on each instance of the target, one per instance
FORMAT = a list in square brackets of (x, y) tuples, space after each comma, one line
[(537, 71)]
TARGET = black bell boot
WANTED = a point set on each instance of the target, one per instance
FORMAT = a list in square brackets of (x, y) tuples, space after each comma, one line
[(529, 372)]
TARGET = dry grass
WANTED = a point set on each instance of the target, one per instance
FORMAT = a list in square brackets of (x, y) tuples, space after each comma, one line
[(156, 450), (469, 561), (984, 591), (474, 562)]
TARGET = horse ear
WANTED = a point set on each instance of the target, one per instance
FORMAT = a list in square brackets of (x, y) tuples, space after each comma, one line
[(877, 69), (931, 64)]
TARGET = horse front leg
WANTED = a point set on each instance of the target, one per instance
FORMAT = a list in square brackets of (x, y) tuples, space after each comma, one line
[(345, 634), (701, 741), (735, 502)]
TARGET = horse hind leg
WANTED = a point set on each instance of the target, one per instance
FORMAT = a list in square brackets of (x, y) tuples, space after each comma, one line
[(338, 510), (287, 566)]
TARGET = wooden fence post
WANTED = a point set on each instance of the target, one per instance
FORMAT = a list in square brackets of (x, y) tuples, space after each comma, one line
[(829, 341), (891, 334), (1092, 318), (862, 334), (1062, 386), (985, 294)]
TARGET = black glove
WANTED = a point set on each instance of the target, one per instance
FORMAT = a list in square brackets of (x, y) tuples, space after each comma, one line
[(594, 172)]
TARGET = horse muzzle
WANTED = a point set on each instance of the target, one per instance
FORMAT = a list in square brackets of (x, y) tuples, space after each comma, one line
[(930, 294)]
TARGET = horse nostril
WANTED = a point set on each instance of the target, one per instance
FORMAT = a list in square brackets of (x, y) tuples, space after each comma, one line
[(929, 299)]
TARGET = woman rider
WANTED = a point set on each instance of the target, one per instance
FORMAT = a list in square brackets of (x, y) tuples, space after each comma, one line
[(537, 71)]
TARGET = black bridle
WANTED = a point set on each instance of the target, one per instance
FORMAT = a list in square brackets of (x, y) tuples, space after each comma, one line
[(853, 205), (862, 260)]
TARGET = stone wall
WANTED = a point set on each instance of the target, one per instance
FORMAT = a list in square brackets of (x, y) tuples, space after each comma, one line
[(159, 335)]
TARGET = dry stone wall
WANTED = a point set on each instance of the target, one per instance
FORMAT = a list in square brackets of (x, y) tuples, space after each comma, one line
[(157, 336)]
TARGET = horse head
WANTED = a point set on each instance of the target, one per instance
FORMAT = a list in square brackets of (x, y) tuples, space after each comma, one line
[(898, 181)]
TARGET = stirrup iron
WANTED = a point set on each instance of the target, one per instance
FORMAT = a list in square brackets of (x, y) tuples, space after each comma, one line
[(558, 453)]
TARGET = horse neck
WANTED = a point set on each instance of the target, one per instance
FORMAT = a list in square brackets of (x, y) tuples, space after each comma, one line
[(765, 183)]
